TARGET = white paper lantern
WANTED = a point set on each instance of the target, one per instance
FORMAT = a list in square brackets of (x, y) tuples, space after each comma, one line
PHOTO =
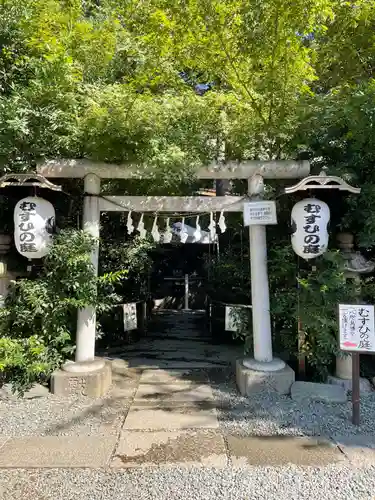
[(34, 219), (310, 220)]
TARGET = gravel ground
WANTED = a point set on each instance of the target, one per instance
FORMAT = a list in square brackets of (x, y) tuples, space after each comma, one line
[(256, 483), (271, 413), (263, 414), (54, 416)]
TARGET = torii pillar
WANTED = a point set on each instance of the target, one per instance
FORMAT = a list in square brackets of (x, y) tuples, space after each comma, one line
[(260, 298), (263, 370)]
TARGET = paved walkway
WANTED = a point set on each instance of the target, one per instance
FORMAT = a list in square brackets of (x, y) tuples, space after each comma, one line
[(173, 420)]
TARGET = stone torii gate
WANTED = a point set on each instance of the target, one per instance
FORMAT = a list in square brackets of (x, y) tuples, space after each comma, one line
[(91, 376)]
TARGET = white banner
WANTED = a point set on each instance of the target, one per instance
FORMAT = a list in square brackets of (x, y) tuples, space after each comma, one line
[(230, 325)]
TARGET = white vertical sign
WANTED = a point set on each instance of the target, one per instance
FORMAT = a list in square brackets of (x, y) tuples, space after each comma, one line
[(130, 317), (230, 324), (357, 329)]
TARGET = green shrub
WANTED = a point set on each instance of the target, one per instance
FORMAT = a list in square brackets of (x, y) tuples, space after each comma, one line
[(38, 321)]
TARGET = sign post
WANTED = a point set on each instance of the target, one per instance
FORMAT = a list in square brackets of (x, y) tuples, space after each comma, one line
[(355, 388), (186, 292), (357, 335)]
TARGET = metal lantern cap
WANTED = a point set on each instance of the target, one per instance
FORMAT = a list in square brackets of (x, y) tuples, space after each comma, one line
[(27, 180), (322, 181)]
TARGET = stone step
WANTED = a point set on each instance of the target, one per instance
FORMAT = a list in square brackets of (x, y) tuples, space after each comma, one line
[(146, 363), (177, 392), (170, 416), (180, 448), (312, 391), (173, 376)]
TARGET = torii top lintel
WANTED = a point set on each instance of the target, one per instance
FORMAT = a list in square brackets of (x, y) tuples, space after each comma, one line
[(280, 169)]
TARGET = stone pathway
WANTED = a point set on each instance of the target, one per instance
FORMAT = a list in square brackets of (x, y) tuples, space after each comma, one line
[(172, 421), (176, 340)]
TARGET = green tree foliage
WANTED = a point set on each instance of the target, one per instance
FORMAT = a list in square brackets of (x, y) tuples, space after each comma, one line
[(338, 119), (103, 80), (132, 256), (76, 82), (345, 52), (338, 131), (253, 51)]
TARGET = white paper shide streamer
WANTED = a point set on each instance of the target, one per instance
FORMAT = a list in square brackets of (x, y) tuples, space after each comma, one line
[(197, 233), (183, 234), (129, 223), (141, 228), (167, 236), (155, 230), (221, 223), (212, 227)]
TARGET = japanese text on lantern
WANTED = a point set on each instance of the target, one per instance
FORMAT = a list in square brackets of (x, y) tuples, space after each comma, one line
[(357, 332), (311, 228), (26, 227)]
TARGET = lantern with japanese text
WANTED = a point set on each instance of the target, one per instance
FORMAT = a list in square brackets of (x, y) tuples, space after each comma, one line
[(310, 218), (34, 221)]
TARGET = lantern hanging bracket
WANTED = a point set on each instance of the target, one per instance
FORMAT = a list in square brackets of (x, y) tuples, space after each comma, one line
[(322, 181), (22, 180)]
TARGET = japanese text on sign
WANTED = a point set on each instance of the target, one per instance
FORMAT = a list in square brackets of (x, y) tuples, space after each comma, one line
[(26, 227), (259, 212), (357, 331)]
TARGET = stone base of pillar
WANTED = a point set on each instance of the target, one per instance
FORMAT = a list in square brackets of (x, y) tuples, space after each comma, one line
[(364, 384), (262, 366), (83, 366), (83, 379), (251, 381)]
